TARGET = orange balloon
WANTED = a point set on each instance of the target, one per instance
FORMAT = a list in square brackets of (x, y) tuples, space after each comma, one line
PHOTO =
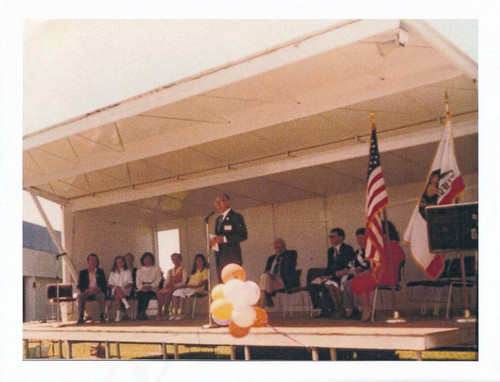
[(222, 309), (233, 271), (237, 331), (217, 292), (262, 317)]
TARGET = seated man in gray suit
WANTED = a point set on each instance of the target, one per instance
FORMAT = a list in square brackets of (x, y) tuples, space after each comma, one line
[(280, 272)]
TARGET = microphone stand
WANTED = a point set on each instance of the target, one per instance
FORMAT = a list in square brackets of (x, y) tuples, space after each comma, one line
[(58, 304), (210, 324)]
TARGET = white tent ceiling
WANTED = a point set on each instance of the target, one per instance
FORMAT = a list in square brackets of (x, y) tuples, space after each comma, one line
[(287, 124)]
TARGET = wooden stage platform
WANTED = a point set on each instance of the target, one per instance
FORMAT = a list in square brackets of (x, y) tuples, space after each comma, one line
[(417, 334)]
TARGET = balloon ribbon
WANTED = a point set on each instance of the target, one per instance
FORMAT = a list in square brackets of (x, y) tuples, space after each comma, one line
[(289, 337)]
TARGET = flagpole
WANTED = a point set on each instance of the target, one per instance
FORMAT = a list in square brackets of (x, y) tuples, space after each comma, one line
[(447, 106), (396, 318), (391, 265), (372, 121), (467, 317)]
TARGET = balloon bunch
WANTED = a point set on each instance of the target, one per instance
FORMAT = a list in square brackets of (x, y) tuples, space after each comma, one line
[(233, 300)]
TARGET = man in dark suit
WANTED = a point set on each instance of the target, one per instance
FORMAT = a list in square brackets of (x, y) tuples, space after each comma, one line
[(280, 272), (230, 230), (91, 285), (326, 293)]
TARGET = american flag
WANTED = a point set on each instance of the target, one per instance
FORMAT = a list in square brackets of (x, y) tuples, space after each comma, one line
[(376, 201)]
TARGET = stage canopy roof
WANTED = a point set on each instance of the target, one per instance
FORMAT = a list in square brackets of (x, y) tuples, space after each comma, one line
[(286, 124)]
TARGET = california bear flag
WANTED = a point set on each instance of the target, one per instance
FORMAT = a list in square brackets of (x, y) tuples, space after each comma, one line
[(444, 185)]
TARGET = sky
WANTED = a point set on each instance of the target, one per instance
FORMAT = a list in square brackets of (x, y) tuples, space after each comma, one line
[(72, 69)]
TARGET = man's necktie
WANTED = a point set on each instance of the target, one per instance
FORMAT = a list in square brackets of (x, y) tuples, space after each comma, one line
[(276, 267), (218, 226)]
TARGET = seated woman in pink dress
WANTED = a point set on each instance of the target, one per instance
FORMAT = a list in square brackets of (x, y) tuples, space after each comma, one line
[(364, 284), (176, 278)]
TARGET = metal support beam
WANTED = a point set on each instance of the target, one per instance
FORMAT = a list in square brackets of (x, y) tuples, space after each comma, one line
[(247, 353), (69, 350), (26, 349), (419, 355), (333, 354), (106, 350), (315, 354), (66, 262), (164, 350), (233, 352), (176, 351)]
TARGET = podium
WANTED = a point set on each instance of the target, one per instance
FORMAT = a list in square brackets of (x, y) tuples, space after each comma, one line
[(454, 229)]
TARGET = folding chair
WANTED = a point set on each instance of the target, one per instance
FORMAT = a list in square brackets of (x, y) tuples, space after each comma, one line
[(58, 294), (195, 298), (431, 290), (303, 291), (388, 287)]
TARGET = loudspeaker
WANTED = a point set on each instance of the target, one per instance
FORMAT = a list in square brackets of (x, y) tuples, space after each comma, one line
[(452, 227)]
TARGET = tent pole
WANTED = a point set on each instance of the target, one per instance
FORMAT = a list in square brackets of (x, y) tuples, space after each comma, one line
[(66, 262)]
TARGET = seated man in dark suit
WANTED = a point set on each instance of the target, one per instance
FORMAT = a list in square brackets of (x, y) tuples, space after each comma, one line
[(279, 274), (325, 292), (91, 284)]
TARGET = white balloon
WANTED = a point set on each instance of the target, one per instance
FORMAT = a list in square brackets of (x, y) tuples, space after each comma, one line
[(244, 316), (251, 293), (234, 290)]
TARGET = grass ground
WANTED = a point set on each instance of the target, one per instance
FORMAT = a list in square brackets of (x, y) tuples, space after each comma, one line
[(89, 351)]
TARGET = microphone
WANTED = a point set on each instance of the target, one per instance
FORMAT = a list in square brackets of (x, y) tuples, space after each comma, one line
[(208, 216), (61, 254)]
